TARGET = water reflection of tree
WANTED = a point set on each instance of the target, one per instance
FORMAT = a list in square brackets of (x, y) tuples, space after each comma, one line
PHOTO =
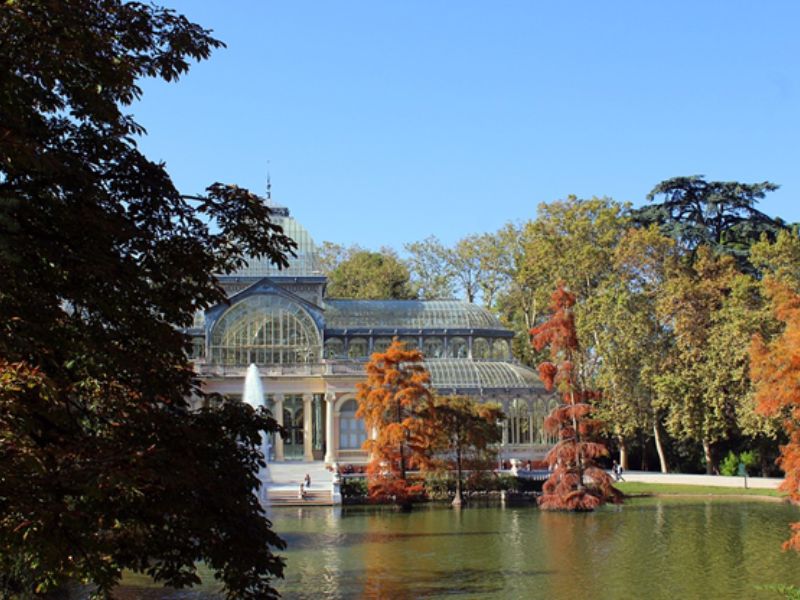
[(580, 551)]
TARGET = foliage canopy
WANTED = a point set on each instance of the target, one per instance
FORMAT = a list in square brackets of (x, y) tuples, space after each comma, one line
[(103, 465)]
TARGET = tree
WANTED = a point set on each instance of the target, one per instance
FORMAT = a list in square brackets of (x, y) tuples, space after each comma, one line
[(103, 466), (717, 214), (366, 275), (465, 262), (576, 483), (775, 368), (393, 401), (431, 269), (467, 431), (331, 255), (703, 382), (632, 343), (779, 259)]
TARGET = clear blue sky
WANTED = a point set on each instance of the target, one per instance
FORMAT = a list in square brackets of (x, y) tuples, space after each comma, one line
[(386, 121)]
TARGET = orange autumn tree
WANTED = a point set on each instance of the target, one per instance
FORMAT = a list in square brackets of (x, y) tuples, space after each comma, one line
[(393, 403), (775, 370), (577, 483)]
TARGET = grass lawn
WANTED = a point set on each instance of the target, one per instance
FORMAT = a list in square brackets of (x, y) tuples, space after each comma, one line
[(634, 488)]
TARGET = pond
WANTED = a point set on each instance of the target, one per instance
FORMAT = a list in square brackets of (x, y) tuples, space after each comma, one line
[(649, 548)]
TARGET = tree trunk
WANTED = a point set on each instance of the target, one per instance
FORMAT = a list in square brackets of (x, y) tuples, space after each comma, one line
[(578, 453), (459, 499), (643, 446), (623, 452), (710, 466), (662, 455), (402, 445)]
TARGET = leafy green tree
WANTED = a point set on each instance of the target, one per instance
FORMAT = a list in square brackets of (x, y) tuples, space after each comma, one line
[(103, 465), (467, 431), (630, 340), (431, 270), (366, 275), (331, 255), (465, 264), (570, 241), (779, 258), (712, 309), (717, 214)]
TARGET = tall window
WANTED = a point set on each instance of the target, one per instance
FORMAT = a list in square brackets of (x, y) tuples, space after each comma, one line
[(518, 423), (500, 350), (480, 348), (358, 348), (381, 344), (433, 347), (410, 342), (265, 329), (352, 432), (334, 348), (457, 348)]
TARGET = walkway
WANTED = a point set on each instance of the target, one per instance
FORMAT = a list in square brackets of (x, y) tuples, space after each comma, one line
[(761, 483)]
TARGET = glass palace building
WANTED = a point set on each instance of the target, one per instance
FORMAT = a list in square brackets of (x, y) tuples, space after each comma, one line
[(311, 351)]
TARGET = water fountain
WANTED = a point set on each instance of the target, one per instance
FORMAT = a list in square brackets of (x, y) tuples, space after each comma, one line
[(253, 394)]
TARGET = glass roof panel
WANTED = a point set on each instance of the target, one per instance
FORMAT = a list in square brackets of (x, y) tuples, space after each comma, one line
[(407, 314), (460, 373), (304, 264)]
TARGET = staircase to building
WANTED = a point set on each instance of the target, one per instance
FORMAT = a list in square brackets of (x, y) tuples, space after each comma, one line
[(284, 489)]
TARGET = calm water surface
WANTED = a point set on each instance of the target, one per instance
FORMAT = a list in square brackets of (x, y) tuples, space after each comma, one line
[(653, 549)]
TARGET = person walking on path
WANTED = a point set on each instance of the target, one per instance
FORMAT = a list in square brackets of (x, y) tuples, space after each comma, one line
[(307, 480), (616, 468)]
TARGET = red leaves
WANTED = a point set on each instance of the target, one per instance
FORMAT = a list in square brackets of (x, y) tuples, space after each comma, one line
[(547, 373), (559, 331), (577, 483)]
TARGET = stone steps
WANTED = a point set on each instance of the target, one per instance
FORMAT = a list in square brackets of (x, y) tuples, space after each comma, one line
[(279, 497), (286, 478)]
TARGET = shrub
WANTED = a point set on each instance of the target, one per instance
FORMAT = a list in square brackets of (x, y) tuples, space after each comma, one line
[(354, 487), (730, 464)]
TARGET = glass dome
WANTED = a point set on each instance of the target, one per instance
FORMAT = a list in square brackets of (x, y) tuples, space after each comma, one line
[(304, 264), (265, 329), (407, 314), (460, 374)]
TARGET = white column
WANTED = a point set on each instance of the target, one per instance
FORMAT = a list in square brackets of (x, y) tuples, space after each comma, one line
[(308, 434), (279, 418), (330, 456)]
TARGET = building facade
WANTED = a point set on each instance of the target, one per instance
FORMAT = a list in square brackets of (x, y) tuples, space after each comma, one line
[(311, 351)]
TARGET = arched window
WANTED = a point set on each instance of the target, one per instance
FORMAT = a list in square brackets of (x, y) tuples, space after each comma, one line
[(433, 347), (518, 423), (352, 432), (480, 349), (334, 348), (457, 348), (358, 348), (500, 350), (265, 329), (410, 342), (381, 344)]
